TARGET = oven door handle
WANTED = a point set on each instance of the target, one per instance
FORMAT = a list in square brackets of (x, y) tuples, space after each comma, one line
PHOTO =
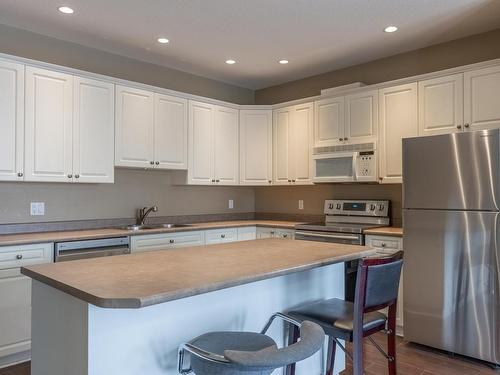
[(334, 236)]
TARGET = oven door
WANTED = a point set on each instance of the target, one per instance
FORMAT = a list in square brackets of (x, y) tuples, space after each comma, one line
[(345, 238), (335, 167)]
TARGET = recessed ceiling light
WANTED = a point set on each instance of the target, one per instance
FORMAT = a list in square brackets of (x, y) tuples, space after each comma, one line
[(391, 29), (230, 61), (163, 40), (66, 10), (283, 61)]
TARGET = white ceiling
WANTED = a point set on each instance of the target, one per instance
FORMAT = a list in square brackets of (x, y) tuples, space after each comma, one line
[(315, 35)]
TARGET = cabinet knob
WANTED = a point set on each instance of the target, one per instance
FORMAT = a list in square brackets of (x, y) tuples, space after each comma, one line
[(272, 232), (459, 126), (152, 162), (217, 180), (345, 139), (19, 256), (20, 174), (293, 180), (270, 181), (213, 180), (467, 126), (289, 180), (383, 244), (77, 176), (70, 176), (341, 139), (223, 236), (157, 163), (171, 241), (285, 235)]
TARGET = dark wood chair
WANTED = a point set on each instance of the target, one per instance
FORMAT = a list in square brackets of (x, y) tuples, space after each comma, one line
[(377, 287)]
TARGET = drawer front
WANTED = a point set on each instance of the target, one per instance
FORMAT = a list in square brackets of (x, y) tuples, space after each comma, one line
[(166, 241), (26, 255), (385, 242), (221, 235), (247, 233), (285, 234)]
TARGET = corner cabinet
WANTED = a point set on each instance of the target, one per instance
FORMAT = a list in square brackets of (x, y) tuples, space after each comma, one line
[(212, 145), (292, 145), (151, 130), (398, 120), (69, 130), (11, 121), (256, 147)]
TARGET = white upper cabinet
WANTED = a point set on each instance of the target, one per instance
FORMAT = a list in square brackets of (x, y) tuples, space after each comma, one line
[(361, 117), (134, 128), (11, 121), (48, 138), (329, 122), (482, 98), (292, 140), (93, 131), (170, 132), (440, 105), (398, 120), (256, 145), (213, 144)]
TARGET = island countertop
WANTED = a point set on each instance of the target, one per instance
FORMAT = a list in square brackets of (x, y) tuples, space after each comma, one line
[(144, 279)]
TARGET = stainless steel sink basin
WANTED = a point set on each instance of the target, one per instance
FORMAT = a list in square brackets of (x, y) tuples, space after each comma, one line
[(154, 226)]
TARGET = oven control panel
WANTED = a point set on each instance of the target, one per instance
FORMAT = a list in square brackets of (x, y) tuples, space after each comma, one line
[(379, 208)]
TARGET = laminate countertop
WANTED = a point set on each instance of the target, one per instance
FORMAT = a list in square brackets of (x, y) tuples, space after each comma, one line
[(143, 279), (40, 237), (385, 231)]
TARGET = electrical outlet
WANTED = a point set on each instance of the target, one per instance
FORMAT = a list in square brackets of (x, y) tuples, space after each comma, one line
[(231, 204), (37, 208), (301, 204)]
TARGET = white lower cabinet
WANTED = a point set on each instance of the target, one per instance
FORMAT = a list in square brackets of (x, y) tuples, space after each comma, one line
[(268, 232), (15, 297), (161, 241), (214, 236), (390, 245), (247, 233)]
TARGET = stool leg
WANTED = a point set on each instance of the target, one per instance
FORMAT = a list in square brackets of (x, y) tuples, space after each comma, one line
[(391, 339), (293, 337), (330, 359)]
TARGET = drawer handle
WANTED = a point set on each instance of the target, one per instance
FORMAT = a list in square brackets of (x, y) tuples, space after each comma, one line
[(19, 256), (171, 241), (223, 236)]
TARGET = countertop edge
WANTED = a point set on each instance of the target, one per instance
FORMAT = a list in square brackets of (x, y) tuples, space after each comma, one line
[(385, 231), (134, 303)]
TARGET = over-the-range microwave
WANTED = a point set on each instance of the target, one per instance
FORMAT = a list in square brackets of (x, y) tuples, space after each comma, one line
[(345, 163)]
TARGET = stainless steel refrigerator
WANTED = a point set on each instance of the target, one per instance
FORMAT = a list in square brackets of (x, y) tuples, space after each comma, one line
[(451, 220)]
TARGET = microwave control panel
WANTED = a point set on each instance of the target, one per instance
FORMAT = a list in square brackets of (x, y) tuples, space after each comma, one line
[(366, 166)]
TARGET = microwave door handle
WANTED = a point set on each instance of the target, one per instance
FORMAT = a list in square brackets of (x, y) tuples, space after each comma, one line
[(355, 166)]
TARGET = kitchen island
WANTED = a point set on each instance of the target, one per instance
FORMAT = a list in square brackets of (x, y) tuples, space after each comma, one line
[(128, 314)]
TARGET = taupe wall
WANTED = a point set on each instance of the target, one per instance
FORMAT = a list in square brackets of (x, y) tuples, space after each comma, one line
[(132, 189), (38, 47), (285, 199), (464, 51)]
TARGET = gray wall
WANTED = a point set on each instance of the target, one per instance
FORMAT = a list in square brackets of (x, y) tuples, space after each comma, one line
[(38, 47), (132, 189), (463, 51)]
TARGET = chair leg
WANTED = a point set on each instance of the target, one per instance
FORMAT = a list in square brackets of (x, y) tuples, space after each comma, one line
[(330, 359), (391, 339), (293, 337)]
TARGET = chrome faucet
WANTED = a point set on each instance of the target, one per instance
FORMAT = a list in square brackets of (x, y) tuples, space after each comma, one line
[(142, 214)]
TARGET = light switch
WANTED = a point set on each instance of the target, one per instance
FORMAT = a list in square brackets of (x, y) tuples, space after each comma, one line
[(37, 208), (231, 204), (301, 204)]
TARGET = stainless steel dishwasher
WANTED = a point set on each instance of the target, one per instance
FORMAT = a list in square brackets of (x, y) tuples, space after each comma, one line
[(73, 250)]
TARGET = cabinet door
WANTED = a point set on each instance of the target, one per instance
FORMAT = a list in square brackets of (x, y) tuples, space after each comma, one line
[(361, 120), (398, 120), (300, 153), (329, 122), (134, 128), (482, 98), (11, 121), (93, 131), (225, 149), (215, 236), (440, 105), (200, 143), (256, 144), (170, 132), (281, 139), (48, 138), (15, 312)]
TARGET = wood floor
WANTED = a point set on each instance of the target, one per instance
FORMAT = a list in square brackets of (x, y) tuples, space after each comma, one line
[(412, 360)]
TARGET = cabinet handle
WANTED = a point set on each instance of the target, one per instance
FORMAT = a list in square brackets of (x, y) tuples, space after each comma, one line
[(459, 126), (20, 174), (157, 163), (213, 180), (152, 162), (467, 126), (171, 241), (293, 180), (217, 180), (19, 256), (223, 236), (341, 139), (77, 176), (70, 176)]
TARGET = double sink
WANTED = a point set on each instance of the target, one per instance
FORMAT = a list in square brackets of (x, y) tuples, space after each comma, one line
[(136, 227)]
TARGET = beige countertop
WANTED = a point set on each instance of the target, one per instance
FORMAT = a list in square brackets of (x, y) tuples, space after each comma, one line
[(28, 238), (143, 279), (386, 231)]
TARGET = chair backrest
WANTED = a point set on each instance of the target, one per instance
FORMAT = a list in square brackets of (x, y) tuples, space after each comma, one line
[(312, 338), (378, 282)]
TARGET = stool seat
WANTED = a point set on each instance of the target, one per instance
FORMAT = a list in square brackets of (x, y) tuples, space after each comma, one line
[(336, 316)]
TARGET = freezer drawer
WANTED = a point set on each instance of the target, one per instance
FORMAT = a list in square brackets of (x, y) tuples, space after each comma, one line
[(451, 281)]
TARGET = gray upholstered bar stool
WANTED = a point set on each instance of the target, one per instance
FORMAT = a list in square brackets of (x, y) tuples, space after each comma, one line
[(376, 288), (248, 353)]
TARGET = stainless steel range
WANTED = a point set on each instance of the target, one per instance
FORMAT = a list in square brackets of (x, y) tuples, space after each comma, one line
[(345, 222)]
